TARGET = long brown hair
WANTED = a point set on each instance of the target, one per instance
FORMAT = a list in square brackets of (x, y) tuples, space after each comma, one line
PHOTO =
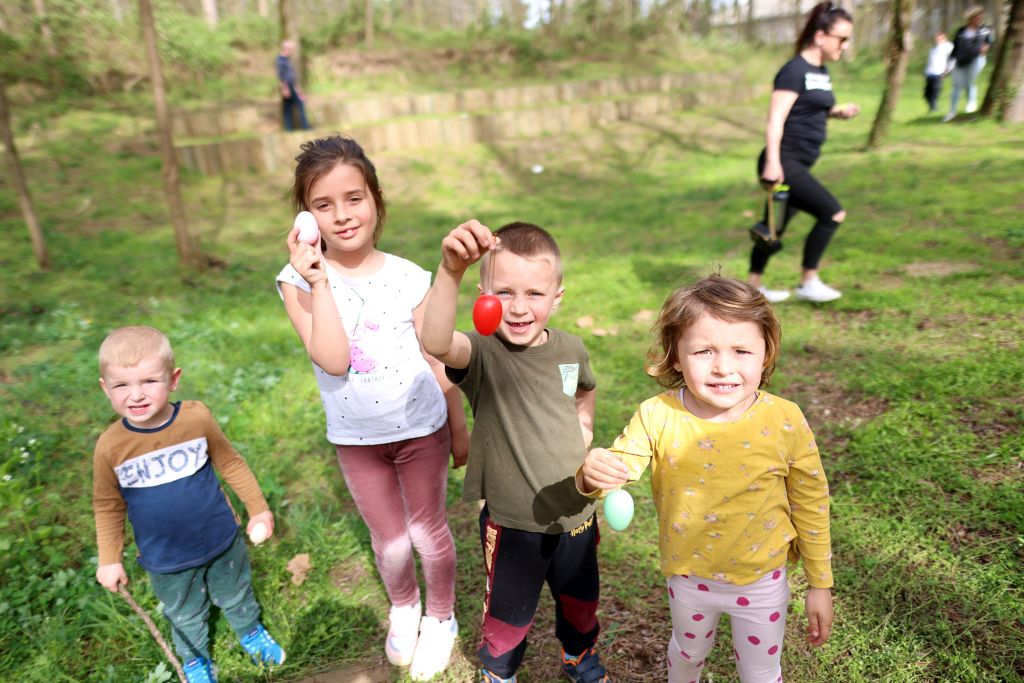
[(320, 156), (822, 17)]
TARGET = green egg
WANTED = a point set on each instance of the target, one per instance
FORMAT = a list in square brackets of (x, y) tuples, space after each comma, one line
[(618, 509)]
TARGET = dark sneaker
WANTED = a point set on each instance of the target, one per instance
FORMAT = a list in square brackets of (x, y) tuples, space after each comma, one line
[(488, 677), (199, 670), (262, 648), (584, 668)]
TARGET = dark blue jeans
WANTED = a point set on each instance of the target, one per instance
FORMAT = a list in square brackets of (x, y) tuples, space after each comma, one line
[(289, 107)]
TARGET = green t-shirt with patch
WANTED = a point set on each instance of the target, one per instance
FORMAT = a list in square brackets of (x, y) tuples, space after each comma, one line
[(527, 444)]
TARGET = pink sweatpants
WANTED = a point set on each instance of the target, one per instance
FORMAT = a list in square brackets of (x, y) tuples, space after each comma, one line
[(399, 489), (756, 611)]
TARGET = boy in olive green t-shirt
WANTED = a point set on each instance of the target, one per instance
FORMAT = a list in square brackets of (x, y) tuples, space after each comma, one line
[(532, 394)]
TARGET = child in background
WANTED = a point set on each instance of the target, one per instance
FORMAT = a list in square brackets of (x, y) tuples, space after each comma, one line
[(157, 464), (532, 394), (391, 414), (736, 479), (939, 64)]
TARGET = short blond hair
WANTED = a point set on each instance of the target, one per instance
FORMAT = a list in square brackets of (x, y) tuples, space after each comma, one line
[(126, 347), (528, 241), (724, 298)]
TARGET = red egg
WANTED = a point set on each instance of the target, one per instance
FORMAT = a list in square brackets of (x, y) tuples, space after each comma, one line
[(487, 314)]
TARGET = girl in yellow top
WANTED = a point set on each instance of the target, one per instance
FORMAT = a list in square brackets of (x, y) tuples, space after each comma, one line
[(736, 479)]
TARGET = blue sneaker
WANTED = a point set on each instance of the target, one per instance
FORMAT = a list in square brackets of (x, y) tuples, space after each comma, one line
[(489, 677), (262, 648), (584, 668), (200, 670)]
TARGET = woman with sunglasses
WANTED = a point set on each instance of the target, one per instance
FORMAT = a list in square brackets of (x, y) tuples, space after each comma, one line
[(801, 103)]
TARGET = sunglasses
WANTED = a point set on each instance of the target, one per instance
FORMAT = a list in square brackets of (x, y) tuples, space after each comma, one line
[(843, 40)]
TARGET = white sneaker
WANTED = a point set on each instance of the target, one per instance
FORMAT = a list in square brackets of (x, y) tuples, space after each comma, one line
[(971, 108), (817, 291), (402, 634), (434, 648), (949, 117), (774, 295)]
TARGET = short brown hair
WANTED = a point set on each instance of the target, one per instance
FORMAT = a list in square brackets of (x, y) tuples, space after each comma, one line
[(320, 156), (725, 298), (128, 346), (526, 240)]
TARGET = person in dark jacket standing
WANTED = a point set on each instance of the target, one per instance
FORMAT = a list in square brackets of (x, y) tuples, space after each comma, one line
[(801, 103), (292, 99), (970, 52)]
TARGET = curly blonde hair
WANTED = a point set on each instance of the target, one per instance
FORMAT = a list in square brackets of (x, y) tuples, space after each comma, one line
[(725, 298)]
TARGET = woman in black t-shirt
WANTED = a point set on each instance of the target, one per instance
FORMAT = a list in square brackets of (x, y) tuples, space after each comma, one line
[(801, 102)]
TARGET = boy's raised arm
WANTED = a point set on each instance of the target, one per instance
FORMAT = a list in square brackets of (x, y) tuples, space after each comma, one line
[(462, 247)]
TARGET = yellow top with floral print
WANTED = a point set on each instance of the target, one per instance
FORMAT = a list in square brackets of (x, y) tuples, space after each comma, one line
[(733, 498)]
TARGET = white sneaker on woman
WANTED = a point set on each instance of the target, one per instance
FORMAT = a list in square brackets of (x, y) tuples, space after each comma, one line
[(774, 295), (817, 291), (434, 649), (402, 634)]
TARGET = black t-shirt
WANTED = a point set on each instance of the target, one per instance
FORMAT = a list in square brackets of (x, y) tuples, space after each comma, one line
[(804, 131), (967, 44)]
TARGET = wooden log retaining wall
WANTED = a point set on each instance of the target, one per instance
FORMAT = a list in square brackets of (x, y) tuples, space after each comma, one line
[(443, 119)]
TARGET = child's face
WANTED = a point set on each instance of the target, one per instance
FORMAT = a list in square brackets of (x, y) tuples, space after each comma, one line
[(141, 393), (940, 38), (344, 209), (721, 363), (529, 290)]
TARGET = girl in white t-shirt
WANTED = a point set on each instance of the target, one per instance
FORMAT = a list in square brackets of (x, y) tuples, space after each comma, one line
[(391, 414)]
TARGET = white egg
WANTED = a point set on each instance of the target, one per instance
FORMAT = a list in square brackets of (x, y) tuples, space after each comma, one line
[(258, 533), (309, 231)]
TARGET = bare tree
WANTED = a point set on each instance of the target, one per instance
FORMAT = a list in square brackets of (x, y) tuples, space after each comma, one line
[(20, 185), (1003, 99), (44, 27), (188, 254), (210, 13), (897, 56), (368, 24)]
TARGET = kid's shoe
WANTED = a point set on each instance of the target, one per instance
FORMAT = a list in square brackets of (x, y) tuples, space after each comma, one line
[(262, 648), (434, 647), (817, 291), (584, 668), (488, 677), (402, 634), (200, 670)]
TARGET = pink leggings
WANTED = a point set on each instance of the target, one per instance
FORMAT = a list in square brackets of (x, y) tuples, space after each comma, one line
[(399, 489), (756, 611)]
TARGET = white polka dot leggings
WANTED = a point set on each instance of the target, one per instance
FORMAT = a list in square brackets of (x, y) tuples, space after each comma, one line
[(756, 611)]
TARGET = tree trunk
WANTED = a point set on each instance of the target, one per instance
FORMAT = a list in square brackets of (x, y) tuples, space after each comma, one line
[(368, 24), (28, 210), (210, 13), (1008, 66), (44, 27), (118, 9), (749, 28), (188, 255), (262, 8), (288, 24), (900, 43)]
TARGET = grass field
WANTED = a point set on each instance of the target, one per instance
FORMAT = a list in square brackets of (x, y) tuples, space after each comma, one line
[(912, 381)]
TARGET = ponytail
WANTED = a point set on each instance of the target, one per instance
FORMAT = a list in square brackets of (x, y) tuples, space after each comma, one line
[(821, 18)]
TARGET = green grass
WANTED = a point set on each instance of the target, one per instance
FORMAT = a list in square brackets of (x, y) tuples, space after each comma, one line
[(912, 381)]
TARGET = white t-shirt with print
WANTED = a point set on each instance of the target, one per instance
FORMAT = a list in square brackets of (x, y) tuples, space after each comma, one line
[(390, 393)]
